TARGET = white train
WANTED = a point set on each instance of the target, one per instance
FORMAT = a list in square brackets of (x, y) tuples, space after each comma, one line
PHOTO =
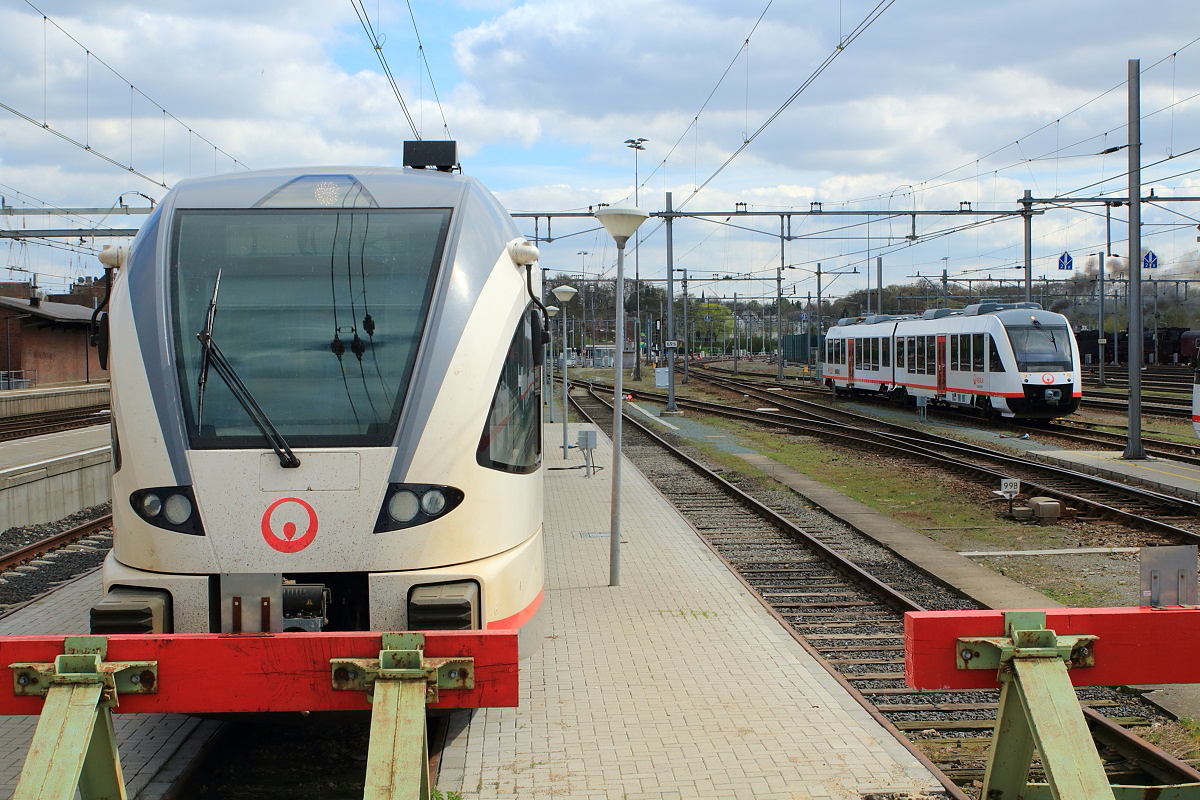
[(1010, 360), (326, 409)]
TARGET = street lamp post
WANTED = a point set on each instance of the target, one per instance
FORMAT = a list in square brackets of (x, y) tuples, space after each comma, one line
[(551, 311), (636, 145), (621, 223), (564, 295), (583, 328)]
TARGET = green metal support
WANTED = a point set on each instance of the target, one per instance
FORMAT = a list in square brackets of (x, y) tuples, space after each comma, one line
[(74, 746), (1039, 710), (399, 684)]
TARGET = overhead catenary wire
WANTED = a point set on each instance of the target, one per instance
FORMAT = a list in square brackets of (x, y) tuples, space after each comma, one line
[(365, 20), (86, 146)]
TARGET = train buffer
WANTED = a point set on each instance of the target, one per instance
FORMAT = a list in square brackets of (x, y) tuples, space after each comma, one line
[(75, 684), (1037, 658)]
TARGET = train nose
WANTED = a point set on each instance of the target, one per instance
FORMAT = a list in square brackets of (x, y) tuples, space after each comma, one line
[(1053, 396)]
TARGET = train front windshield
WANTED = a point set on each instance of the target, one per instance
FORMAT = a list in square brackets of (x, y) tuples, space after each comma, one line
[(1041, 348), (318, 311)]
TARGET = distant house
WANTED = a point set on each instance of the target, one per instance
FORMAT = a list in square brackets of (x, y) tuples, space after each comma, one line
[(45, 342)]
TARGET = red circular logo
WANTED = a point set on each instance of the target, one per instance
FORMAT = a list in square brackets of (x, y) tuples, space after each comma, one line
[(1047, 377), (289, 542)]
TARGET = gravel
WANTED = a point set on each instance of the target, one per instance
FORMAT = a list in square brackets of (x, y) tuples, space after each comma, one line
[(34, 579)]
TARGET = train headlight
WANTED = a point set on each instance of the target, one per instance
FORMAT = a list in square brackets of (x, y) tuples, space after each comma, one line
[(151, 505), (433, 502), (177, 509), (170, 507), (407, 505), (403, 507)]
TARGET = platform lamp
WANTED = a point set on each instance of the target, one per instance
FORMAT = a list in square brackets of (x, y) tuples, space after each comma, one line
[(621, 223), (564, 295), (551, 312)]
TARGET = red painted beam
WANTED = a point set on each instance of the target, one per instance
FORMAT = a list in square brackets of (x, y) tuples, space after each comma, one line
[(1136, 645), (206, 673)]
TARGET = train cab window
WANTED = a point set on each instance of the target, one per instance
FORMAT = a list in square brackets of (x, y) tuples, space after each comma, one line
[(977, 352), (511, 440), (319, 312), (954, 351), (1041, 348), (994, 362)]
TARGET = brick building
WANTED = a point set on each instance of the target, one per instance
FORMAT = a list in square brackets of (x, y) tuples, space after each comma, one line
[(44, 342)]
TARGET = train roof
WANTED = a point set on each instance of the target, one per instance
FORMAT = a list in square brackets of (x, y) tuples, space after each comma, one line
[(1007, 313), (332, 186)]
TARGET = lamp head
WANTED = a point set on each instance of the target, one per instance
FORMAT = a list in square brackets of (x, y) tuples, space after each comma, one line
[(551, 311), (565, 293), (621, 223)]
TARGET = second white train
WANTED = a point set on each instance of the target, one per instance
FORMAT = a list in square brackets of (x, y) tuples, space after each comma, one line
[(1010, 360)]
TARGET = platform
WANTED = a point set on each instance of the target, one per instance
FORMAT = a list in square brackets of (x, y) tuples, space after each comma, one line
[(46, 478), (41, 399), (1159, 474), (675, 684)]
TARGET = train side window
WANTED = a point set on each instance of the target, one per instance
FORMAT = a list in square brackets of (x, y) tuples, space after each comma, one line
[(511, 440), (994, 362), (930, 355), (977, 352), (920, 355), (912, 354), (901, 350), (954, 351), (885, 353)]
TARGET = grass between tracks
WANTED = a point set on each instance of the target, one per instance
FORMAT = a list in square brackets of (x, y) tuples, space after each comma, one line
[(954, 513)]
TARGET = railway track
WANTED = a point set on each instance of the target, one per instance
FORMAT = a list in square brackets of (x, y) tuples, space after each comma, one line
[(1086, 495), (24, 425), (1070, 429), (31, 570), (843, 597)]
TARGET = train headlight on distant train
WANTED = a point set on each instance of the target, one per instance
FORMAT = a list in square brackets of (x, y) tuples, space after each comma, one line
[(169, 507), (407, 505)]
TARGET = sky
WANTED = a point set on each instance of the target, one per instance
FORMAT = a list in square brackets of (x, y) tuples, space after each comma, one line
[(855, 105)]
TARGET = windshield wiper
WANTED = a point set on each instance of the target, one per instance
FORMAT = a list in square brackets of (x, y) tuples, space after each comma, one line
[(211, 355)]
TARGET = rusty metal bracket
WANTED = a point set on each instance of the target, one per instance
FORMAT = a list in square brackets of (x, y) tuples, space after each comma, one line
[(83, 663), (403, 658), (1028, 639)]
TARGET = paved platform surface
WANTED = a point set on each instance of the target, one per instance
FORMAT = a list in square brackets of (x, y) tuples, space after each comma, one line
[(34, 450), (153, 747), (675, 684), (1159, 474)]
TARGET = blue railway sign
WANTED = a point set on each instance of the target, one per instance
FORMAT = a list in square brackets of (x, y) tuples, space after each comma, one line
[(1149, 261), (1065, 261)]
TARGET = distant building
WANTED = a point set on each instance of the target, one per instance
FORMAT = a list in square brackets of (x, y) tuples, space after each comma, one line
[(43, 342)]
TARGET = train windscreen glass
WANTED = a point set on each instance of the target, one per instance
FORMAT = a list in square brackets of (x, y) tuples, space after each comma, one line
[(1041, 348), (318, 312)]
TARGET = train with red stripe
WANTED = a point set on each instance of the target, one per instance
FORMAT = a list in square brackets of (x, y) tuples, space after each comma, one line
[(326, 409), (1011, 360)]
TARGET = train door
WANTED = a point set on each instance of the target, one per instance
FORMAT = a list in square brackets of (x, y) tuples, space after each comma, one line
[(849, 362), (941, 364)]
